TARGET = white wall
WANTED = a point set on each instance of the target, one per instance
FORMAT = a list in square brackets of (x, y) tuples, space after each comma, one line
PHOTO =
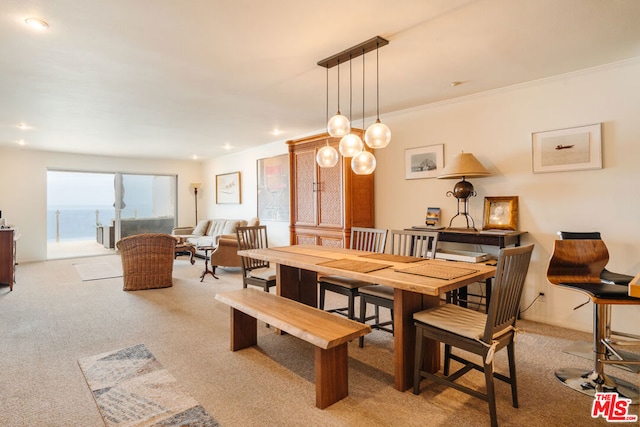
[(23, 192), (496, 127), (245, 163)]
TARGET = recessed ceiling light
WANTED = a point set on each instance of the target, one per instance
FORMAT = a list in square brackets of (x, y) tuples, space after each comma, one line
[(21, 142), (36, 23), (454, 84), (194, 157), (23, 126), (276, 132), (227, 146)]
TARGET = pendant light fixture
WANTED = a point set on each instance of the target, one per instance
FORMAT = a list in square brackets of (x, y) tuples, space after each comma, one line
[(350, 144), (338, 126), (327, 156), (378, 135), (363, 162)]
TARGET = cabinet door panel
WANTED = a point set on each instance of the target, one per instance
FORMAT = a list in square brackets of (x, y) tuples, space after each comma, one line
[(330, 197), (304, 166)]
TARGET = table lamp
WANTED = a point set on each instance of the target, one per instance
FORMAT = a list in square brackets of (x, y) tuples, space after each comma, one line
[(463, 165)]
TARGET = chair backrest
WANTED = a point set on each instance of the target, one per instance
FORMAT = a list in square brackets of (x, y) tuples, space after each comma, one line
[(147, 260), (252, 238), (511, 271), (421, 244), (368, 239), (575, 235), (577, 261)]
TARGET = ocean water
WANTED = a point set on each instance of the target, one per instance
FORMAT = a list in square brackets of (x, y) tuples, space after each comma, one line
[(77, 223)]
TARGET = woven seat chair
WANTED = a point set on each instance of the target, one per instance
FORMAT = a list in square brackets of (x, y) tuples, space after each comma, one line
[(362, 239), (147, 261), (419, 244), (477, 333)]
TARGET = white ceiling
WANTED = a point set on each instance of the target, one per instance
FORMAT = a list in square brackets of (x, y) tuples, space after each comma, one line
[(174, 79)]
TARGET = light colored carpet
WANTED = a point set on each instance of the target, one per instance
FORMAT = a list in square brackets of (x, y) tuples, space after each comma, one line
[(132, 389), (98, 270), (52, 318)]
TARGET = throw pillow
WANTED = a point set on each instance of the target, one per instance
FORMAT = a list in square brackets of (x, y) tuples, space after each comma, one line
[(201, 228)]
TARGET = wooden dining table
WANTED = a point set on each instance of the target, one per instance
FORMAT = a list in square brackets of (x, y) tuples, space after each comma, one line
[(418, 284)]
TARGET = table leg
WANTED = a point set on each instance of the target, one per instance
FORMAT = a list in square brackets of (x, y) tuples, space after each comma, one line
[(206, 267), (404, 338), (297, 284)]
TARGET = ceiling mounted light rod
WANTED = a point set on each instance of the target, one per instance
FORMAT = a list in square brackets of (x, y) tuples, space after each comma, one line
[(353, 52)]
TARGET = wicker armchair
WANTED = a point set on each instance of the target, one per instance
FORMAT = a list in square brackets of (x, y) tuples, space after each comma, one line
[(147, 261)]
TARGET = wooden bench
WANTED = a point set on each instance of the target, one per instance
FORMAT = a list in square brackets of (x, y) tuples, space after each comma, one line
[(328, 332)]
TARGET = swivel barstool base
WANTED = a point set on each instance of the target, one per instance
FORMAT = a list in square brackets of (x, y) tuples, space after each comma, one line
[(590, 383)]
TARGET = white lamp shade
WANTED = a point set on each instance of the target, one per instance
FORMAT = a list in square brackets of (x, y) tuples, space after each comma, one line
[(378, 135), (363, 163), (338, 126), (327, 157), (350, 145)]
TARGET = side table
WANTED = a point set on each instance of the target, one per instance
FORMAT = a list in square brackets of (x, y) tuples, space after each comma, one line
[(182, 248), (212, 270)]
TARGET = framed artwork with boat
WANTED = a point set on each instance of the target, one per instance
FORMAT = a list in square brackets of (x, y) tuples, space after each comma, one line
[(569, 149)]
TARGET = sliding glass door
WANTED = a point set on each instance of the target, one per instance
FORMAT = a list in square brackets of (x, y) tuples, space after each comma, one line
[(87, 212), (145, 204)]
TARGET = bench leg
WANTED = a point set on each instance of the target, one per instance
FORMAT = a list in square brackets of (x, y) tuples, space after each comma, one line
[(332, 382), (244, 330)]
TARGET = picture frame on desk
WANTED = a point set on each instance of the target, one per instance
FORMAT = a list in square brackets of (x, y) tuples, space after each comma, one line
[(501, 213)]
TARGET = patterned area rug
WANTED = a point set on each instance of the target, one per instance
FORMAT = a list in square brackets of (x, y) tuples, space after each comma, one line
[(131, 388), (97, 271)]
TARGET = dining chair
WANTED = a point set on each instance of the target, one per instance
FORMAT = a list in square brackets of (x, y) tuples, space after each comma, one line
[(363, 239), (578, 265), (586, 349), (419, 244), (475, 332), (254, 271)]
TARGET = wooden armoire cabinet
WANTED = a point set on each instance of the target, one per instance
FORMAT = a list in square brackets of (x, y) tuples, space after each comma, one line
[(7, 257), (326, 202)]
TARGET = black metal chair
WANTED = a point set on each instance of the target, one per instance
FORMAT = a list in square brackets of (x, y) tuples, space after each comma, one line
[(586, 349), (578, 265), (420, 244), (479, 333), (363, 239), (254, 271)]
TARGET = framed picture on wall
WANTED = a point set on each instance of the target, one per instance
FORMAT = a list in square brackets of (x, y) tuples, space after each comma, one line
[(570, 149), (500, 213), (228, 189), (273, 188), (424, 162)]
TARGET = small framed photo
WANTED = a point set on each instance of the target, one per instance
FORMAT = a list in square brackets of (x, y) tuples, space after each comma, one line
[(228, 190), (424, 162), (571, 149), (500, 213)]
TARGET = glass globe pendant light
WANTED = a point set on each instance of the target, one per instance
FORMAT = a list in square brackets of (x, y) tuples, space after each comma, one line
[(350, 144), (378, 135), (338, 125), (327, 156), (363, 163)]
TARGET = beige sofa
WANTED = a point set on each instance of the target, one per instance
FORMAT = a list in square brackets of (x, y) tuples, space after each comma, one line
[(220, 233)]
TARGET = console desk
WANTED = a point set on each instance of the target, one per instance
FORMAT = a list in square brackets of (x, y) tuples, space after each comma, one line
[(501, 239)]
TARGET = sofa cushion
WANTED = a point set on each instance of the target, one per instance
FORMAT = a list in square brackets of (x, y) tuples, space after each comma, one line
[(215, 227), (231, 225), (201, 228)]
